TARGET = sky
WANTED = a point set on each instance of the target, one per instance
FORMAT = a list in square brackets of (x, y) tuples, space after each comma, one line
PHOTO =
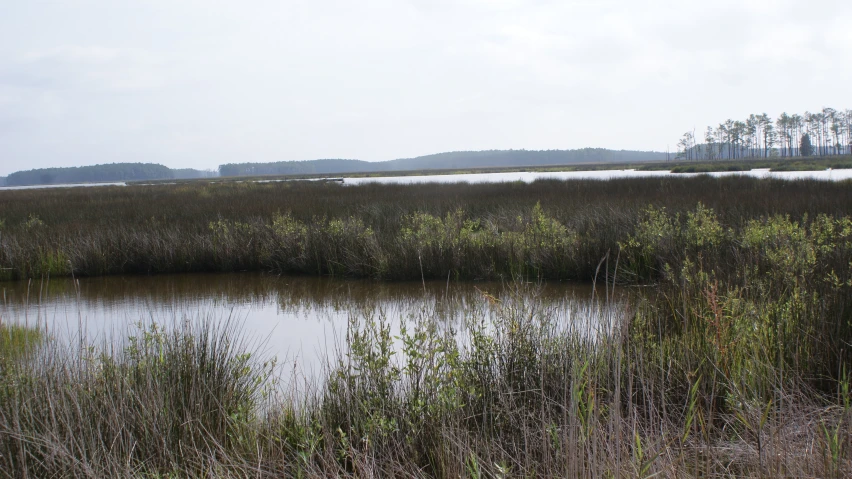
[(195, 84)]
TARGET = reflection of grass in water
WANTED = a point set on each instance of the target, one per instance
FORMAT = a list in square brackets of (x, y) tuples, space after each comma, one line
[(17, 341)]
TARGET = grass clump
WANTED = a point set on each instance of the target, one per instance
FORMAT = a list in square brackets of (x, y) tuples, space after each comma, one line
[(171, 401), (17, 342)]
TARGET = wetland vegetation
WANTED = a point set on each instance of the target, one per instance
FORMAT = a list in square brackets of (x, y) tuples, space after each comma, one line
[(732, 360), (549, 229)]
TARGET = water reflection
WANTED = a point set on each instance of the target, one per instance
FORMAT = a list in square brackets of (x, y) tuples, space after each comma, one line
[(297, 318)]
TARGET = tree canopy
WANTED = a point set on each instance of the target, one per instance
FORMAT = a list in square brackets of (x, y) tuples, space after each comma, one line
[(112, 172), (828, 132), (805, 146)]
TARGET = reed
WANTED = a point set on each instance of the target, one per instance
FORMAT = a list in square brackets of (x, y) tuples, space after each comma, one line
[(732, 361), (510, 392), (549, 229)]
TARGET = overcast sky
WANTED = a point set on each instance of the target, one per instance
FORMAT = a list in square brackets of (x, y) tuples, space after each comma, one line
[(192, 83)]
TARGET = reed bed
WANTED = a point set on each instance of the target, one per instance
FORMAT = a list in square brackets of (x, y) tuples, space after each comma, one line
[(548, 229), (508, 393), (733, 363)]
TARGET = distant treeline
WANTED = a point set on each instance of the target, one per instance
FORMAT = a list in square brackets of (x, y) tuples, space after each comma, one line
[(824, 133), (440, 161), (186, 173), (2, 181), (101, 174)]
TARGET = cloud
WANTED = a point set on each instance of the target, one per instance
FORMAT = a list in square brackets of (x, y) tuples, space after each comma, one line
[(199, 83), (94, 68)]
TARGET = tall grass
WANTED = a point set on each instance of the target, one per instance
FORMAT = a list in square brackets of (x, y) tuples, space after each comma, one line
[(735, 364), (509, 393), (549, 229), (171, 400), (16, 341)]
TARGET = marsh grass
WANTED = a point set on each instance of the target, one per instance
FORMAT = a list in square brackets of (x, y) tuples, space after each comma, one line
[(511, 392), (548, 229), (734, 364), (16, 342), (169, 400)]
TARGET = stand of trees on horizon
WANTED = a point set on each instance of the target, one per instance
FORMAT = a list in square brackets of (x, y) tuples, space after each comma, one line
[(444, 161), (824, 133), (117, 172), (107, 173)]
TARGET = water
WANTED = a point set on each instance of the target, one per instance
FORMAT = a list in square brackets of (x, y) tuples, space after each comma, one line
[(61, 185), (297, 319), (530, 176)]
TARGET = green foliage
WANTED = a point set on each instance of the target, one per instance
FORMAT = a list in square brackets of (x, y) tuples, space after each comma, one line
[(549, 230), (16, 342), (33, 222), (783, 248), (805, 146), (662, 240), (736, 355)]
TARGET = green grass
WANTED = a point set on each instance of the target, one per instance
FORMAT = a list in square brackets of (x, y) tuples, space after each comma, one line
[(686, 383), (549, 229), (16, 342), (733, 363)]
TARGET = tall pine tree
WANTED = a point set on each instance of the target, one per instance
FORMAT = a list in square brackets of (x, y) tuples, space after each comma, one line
[(805, 147)]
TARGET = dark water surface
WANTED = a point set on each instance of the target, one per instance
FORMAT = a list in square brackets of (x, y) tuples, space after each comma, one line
[(294, 318)]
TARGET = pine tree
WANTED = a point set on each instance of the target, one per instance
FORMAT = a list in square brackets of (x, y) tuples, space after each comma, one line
[(805, 147)]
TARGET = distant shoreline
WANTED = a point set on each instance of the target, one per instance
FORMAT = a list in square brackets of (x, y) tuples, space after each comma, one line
[(680, 166)]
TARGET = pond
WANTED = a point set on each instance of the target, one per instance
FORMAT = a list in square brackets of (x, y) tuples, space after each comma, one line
[(297, 319)]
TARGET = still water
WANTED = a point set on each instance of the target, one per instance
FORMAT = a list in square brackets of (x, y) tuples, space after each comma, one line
[(297, 319), (61, 185), (530, 176)]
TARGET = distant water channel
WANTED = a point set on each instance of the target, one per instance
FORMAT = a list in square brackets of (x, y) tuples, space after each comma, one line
[(61, 185), (297, 319), (530, 176)]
